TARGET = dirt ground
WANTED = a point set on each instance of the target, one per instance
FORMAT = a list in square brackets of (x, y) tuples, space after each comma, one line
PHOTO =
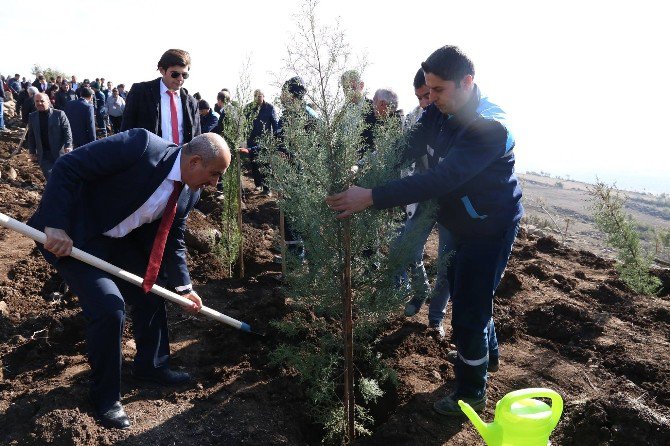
[(563, 318)]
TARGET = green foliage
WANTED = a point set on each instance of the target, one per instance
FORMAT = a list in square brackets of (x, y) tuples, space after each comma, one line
[(235, 129), (228, 247), (323, 156), (634, 264), (48, 72)]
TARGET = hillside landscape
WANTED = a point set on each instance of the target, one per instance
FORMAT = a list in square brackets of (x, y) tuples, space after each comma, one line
[(564, 319)]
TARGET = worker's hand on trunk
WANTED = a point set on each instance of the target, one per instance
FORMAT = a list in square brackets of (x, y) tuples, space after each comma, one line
[(58, 242), (197, 302)]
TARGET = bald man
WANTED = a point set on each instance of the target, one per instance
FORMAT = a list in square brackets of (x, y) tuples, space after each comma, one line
[(113, 198), (49, 134)]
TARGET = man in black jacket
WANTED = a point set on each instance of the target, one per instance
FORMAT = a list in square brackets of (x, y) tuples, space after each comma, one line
[(49, 135), (64, 95), (162, 106)]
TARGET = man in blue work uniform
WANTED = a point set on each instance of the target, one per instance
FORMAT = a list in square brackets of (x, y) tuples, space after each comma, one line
[(479, 202)]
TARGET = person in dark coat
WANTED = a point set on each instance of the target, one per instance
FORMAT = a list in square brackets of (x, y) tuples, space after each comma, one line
[(40, 83), (263, 120), (479, 201), (107, 198), (28, 105), (353, 88), (151, 105), (81, 115), (64, 95), (100, 109), (49, 134), (208, 119)]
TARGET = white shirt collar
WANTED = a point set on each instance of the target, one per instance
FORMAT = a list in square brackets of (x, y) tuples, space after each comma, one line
[(164, 88), (175, 172)]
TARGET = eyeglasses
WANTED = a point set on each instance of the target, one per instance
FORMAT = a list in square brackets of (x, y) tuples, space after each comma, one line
[(176, 74)]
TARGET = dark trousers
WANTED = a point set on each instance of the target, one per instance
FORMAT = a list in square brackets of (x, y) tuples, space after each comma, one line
[(256, 174), (46, 164), (101, 123), (474, 274), (116, 123), (102, 298)]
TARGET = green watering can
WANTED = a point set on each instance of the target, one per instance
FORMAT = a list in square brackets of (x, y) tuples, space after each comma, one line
[(519, 420)]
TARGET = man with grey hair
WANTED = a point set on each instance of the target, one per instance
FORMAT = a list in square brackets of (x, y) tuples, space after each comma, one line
[(28, 105), (125, 199), (385, 103), (49, 135), (353, 87)]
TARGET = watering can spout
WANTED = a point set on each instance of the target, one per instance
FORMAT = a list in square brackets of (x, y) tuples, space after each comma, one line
[(484, 429)]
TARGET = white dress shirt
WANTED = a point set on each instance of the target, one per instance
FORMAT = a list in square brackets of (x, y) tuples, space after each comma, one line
[(166, 115), (153, 208)]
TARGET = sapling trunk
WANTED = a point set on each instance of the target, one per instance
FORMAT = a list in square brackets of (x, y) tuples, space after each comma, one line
[(348, 331)]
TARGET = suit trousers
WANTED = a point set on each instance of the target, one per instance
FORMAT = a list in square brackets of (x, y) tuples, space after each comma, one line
[(103, 300)]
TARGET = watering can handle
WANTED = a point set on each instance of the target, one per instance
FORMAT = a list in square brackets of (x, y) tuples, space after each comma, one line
[(518, 395)]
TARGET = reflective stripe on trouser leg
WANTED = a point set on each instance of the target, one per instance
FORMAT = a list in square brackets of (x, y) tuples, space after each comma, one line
[(474, 362), (473, 276)]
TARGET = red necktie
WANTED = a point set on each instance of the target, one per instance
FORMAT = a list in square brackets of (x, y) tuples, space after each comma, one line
[(161, 237), (173, 117)]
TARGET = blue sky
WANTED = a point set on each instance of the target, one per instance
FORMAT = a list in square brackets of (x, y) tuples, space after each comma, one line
[(584, 82)]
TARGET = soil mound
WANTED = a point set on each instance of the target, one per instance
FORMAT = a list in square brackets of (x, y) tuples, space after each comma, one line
[(564, 320)]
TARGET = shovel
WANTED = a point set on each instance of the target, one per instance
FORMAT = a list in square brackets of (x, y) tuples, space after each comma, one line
[(78, 254)]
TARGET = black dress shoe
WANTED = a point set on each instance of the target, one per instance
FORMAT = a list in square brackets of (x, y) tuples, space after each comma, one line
[(114, 417), (163, 376)]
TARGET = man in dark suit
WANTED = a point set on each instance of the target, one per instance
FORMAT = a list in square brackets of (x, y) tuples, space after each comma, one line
[(263, 118), (80, 113), (49, 135), (107, 198), (162, 106), (64, 95), (40, 83)]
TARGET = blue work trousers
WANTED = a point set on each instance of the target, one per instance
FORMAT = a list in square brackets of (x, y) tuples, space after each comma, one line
[(474, 274)]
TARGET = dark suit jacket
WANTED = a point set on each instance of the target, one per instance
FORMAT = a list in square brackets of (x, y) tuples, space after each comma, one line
[(63, 98), (143, 110), (96, 187), (82, 121), (36, 83), (60, 134)]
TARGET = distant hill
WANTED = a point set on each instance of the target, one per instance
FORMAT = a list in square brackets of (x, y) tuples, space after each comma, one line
[(561, 207)]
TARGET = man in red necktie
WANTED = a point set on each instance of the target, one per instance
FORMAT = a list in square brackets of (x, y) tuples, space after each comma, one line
[(163, 106), (125, 199)]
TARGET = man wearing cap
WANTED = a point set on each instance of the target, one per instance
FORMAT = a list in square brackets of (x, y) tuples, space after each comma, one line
[(162, 105), (86, 83), (208, 118), (295, 111)]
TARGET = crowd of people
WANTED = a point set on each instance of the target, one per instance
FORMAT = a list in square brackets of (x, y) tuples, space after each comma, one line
[(131, 165)]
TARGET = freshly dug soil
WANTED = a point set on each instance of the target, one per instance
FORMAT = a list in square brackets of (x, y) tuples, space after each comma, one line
[(564, 320)]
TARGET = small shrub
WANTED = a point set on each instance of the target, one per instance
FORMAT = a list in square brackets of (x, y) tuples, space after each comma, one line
[(620, 229)]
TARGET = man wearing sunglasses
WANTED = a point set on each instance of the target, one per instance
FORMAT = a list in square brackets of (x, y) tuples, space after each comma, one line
[(162, 106)]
